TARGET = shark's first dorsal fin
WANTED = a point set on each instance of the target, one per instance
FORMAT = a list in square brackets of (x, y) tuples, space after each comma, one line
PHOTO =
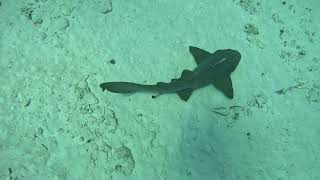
[(224, 84), (186, 93), (186, 75), (199, 54)]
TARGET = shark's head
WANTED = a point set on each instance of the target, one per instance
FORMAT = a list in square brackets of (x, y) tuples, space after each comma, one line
[(233, 58)]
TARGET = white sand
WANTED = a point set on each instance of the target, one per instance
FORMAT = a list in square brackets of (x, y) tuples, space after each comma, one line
[(56, 123)]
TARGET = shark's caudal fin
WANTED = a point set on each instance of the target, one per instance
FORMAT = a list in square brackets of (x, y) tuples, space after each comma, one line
[(120, 87)]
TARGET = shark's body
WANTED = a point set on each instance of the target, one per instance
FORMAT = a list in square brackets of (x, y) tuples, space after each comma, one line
[(213, 68)]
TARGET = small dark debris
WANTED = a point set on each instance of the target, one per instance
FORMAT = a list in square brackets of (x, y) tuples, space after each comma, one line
[(281, 91), (10, 171), (236, 116), (285, 43), (27, 12), (291, 8), (281, 31), (284, 2), (118, 167), (45, 147), (302, 53), (27, 103), (286, 54), (251, 29), (112, 61), (0, 3), (276, 18), (285, 90), (108, 10), (38, 22), (248, 133)]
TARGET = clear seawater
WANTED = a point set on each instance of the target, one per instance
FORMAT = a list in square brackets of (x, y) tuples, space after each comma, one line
[(56, 123)]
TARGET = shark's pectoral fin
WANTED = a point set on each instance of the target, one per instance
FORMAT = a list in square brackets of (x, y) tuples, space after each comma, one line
[(224, 84), (185, 94), (198, 54)]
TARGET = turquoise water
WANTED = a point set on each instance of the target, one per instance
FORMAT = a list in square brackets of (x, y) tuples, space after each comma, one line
[(56, 123)]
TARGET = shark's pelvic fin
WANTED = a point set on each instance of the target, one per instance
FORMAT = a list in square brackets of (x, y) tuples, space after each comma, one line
[(185, 94), (198, 54)]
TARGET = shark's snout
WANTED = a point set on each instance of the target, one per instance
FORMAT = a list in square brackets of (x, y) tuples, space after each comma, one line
[(234, 57)]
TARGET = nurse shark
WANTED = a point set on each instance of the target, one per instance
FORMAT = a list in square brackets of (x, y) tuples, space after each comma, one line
[(212, 68)]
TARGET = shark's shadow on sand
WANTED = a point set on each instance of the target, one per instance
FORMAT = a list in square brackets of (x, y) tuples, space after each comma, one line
[(213, 68)]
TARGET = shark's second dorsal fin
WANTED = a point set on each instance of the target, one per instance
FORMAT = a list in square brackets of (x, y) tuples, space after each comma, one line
[(199, 54)]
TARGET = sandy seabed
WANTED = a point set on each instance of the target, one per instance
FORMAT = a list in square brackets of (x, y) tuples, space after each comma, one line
[(56, 123)]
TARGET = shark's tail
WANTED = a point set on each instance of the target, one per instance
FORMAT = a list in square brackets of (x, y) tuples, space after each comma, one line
[(128, 87), (121, 87)]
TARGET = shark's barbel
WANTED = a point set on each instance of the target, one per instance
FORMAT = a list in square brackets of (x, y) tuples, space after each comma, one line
[(213, 68)]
